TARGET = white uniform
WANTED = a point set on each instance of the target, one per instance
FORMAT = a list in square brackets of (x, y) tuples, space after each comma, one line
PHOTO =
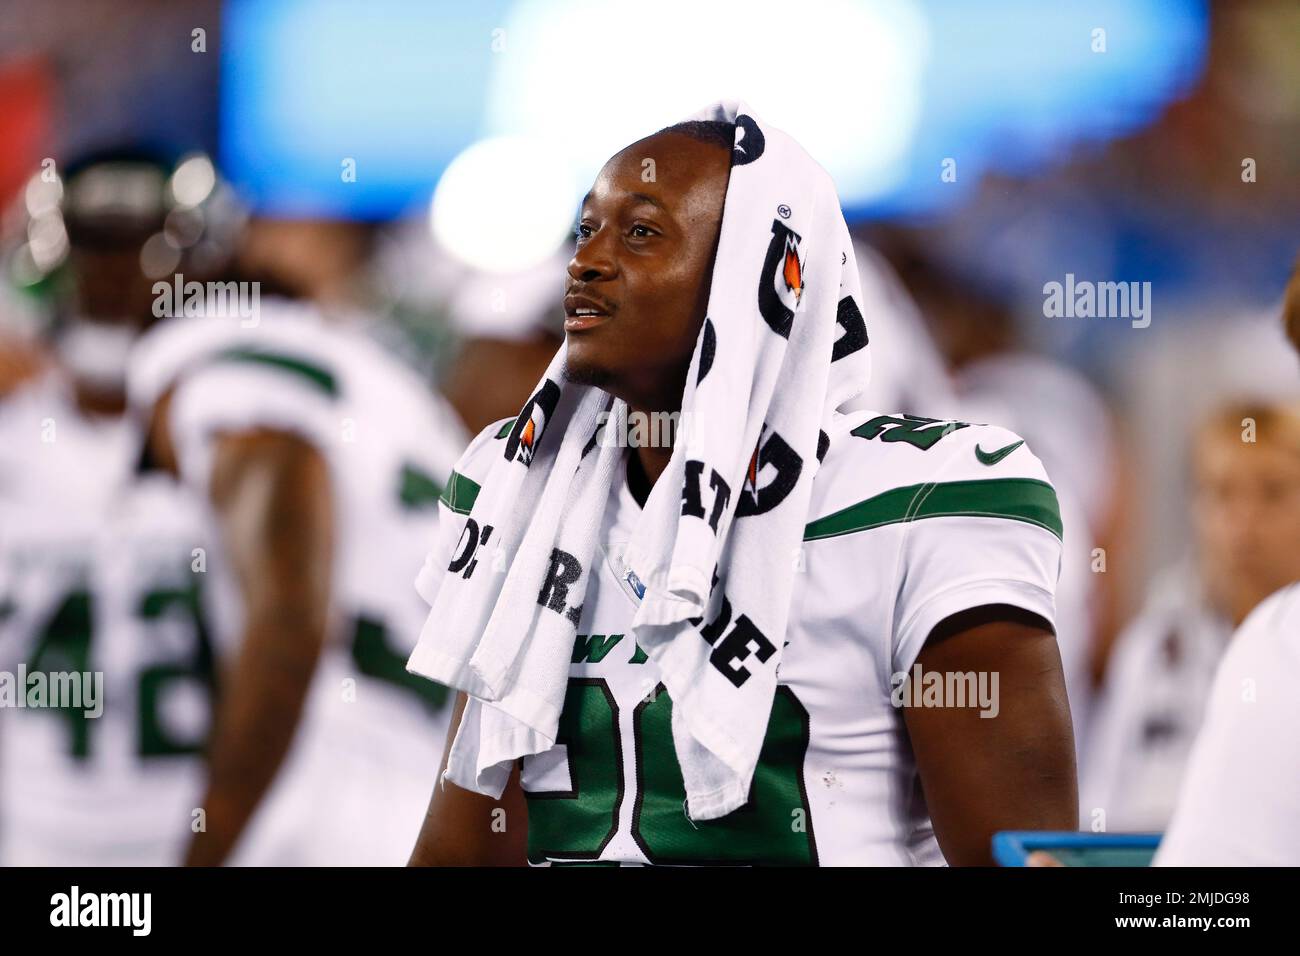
[(355, 786), (101, 571), (1240, 802), (1151, 707), (1050, 405), (910, 527)]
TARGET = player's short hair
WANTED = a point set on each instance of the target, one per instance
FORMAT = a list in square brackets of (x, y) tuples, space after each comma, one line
[(1291, 306), (714, 132)]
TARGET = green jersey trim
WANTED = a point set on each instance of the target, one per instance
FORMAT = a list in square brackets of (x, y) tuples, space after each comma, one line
[(320, 378), (460, 493), (1017, 499), (418, 489)]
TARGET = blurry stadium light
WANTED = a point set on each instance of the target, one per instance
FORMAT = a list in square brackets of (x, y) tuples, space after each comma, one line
[(193, 180), (42, 195), (588, 77), (504, 204), (332, 108)]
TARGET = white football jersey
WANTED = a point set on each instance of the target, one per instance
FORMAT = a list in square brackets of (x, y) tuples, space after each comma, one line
[(913, 520), (1240, 802), (102, 572), (356, 784)]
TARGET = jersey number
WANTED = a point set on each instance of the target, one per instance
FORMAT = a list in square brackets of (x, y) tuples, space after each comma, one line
[(774, 827), (65, 646), (913, 429)]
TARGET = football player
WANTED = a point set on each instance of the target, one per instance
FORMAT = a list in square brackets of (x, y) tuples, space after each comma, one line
[(322, 459), (103, 559), (1239, 804), (963, 586)]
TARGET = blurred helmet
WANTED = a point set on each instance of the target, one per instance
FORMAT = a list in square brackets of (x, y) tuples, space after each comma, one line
[(83, 246)]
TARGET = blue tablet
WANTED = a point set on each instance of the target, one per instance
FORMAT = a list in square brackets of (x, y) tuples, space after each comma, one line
[(1072, 848)]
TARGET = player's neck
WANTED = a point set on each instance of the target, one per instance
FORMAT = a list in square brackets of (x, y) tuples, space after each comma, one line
[(654, 454), (660, 405), (99, 402)]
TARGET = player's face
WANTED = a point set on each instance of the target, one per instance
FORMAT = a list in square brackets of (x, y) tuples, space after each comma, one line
[(111, 288), (638, 282), (1247, 517)]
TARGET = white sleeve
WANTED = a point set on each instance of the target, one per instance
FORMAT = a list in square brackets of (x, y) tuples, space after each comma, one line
[(454, 507), (222, 398), (1240, 799), (450, 526), (979, 535)]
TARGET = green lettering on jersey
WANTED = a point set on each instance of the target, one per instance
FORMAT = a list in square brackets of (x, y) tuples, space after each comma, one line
[(774, 827), (919, 432), (578, 823), (64, 646), (155, 739), (1016, 499), (591, 649), (639, 657)]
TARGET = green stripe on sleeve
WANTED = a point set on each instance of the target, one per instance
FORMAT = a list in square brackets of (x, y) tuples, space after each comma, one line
[(460, 493), (1019, 499), (418, 488), (318, 377)]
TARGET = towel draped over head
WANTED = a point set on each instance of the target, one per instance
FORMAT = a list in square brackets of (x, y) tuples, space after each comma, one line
[(716, 552)]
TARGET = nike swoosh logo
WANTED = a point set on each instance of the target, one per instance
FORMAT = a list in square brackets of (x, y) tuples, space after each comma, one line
[(993, 457)]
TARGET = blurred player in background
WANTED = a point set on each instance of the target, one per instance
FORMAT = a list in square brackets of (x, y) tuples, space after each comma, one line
[(908, 373), (507, 328), (101, 555), (322, 459), (1246, 515), (1240, 805)]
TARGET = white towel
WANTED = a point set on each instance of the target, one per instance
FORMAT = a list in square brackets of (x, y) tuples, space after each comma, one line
[(784, 348)]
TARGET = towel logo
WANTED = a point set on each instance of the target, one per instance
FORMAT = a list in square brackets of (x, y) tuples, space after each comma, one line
[(743, 641), (531, 423), (471, 538), (854, 325), (780, 284), (708, 348), (786, 465), (693, 493), (749, 143), (564, 571)]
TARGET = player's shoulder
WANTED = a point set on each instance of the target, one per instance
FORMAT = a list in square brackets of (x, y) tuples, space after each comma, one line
[(471, 470), (286, 339), (882, 468), (1271, 631)]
